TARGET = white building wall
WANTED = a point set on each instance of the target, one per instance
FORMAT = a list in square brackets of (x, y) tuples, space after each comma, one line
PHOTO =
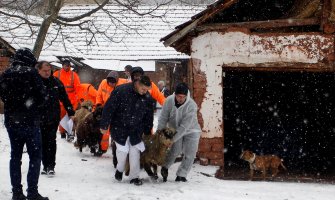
[(216, 49)]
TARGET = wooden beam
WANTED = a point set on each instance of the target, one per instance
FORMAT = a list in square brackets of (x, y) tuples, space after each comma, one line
[(260, 24), (7, 45), (282, 67), (184, 31)]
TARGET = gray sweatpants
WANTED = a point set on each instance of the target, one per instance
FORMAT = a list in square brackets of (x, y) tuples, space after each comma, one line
[(188, 145)]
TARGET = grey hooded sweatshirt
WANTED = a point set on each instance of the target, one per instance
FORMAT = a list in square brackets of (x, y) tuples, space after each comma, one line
[(184, 119)]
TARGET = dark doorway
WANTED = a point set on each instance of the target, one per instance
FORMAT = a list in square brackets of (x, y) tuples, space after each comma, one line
[(290, 114)]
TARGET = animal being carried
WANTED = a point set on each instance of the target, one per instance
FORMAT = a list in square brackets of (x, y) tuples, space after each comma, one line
[(262, 163), (156, 148), (85, 108), (88, 131)]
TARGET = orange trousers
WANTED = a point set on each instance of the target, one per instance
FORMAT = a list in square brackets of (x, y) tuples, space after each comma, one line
[(104, 144)]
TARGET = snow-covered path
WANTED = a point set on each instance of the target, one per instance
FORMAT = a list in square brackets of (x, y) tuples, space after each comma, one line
[(81, 176)]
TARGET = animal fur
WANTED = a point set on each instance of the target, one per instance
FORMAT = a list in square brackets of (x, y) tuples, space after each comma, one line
[(88, 132), (156, 149), (262, 163), (85, 109)]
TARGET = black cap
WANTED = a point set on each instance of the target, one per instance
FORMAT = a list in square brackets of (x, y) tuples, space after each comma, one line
[(26, 56), (181, 88)]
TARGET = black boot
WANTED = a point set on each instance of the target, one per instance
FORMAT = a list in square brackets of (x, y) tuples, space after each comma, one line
[(164, 173), (118, 175), (19, 196), (37, 197), (136, 181), (180, 179)]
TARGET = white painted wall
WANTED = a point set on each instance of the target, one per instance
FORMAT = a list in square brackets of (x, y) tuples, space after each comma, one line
[(214, 49)]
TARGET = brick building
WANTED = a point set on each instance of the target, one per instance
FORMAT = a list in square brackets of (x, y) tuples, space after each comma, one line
[(257, 78)]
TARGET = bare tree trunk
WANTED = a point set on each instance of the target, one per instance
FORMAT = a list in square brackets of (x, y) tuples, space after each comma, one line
[(52, 13)]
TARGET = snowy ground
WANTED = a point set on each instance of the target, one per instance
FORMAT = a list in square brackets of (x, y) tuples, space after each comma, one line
[(81, 176)]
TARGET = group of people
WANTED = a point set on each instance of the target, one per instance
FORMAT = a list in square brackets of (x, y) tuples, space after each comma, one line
[(35, 100)]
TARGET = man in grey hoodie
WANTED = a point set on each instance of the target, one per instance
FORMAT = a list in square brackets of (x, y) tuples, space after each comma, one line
[(180, 112)]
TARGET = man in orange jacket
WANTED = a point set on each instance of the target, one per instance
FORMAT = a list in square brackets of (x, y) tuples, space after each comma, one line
[(71, 82), (106, 88), (87, 92)]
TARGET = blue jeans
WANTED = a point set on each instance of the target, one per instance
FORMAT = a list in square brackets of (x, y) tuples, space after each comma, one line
[(31, 136)]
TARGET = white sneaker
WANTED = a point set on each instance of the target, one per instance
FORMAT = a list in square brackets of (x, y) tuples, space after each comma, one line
[(51, 172)]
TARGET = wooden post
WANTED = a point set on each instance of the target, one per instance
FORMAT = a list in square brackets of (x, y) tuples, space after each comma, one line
[(190, 75), (326, 25)]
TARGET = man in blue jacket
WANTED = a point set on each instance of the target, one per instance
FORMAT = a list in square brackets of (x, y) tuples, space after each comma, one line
[(129, 113), (23, 93)]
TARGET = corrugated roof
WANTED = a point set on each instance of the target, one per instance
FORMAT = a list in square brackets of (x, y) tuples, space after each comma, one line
[(134, 37)]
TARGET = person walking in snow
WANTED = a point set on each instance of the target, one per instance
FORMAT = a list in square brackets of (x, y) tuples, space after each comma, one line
[(23, 93), (180, 112), (129, 114), (106, 88), (50, 116), (71, 82)]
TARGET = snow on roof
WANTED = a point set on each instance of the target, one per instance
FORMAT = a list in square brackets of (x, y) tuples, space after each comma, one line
[(18, 34), (135, 37), (117, 65)]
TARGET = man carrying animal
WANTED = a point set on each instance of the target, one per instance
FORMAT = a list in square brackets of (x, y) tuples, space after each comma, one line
[(129, 114), (71, 82), (23, 93), (106, 88), (51, 116), (180, 112)]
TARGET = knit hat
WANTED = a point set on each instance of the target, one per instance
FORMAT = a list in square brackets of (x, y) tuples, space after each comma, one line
[(25, 56), (113, 77), (181, 88)]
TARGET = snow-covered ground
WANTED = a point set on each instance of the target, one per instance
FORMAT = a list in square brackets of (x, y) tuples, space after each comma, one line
[(81, 176)]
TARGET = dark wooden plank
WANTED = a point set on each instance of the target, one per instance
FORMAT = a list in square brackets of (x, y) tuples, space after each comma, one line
[(261, 24)]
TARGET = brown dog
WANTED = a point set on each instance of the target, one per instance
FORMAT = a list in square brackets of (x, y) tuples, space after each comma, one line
[(262, 163)]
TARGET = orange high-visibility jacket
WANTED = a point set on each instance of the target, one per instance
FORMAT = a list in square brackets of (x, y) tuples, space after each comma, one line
[(87, 92), (71, 83), (105, 90), (156, 94)]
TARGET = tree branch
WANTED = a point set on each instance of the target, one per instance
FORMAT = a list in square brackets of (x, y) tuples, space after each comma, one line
[(20, 17), (83, 15)]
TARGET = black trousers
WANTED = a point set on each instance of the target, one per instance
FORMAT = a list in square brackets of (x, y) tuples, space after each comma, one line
[(49, 146)]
